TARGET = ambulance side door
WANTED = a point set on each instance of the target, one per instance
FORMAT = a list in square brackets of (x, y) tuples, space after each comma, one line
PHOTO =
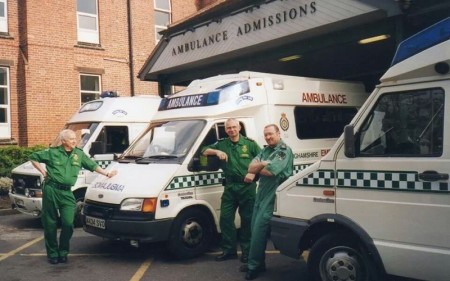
[(396, 188)]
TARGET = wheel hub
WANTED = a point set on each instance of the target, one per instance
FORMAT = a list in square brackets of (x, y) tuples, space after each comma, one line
[(342, 265), (192, 233)]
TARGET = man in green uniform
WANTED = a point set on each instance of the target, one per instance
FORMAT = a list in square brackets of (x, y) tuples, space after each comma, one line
[(236, 153), (274, 164), (62, 166)]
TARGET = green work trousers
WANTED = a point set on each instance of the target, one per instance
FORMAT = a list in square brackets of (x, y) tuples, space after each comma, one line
[(241, 197), (262, 213), (55, 200)]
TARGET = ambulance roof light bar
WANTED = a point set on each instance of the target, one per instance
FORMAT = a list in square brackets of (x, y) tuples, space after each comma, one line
[(427, 38)]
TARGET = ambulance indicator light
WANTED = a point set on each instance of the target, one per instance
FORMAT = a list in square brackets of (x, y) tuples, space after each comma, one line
[(433, 35), (213, 98), (91, 106)]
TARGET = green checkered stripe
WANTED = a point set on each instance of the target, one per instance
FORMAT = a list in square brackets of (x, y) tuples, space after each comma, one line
[(319, 177), (195, 180), (298, 168), (103, 163), (394, 180)]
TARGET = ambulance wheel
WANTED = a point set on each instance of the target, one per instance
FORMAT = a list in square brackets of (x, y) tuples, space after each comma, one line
[(336, 257), (191, 235), (79, 199)]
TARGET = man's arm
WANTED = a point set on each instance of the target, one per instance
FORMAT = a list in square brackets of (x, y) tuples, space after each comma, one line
[(39, 167), (222, 155), (259, 167)]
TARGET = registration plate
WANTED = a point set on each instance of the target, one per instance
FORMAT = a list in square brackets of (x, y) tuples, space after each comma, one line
[(98, 223)]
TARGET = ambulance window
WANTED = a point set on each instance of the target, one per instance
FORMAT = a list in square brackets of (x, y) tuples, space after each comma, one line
[(322, 122), (405, 124), (115, 138)]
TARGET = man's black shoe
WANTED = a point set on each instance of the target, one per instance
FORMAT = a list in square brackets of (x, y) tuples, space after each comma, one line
[(244, 258), (226, 256), (244, 268), (251, 274), (52, 260), (62, 259)]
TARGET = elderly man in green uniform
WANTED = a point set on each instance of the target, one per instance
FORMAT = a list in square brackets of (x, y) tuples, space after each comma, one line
[(62, 166), (236, 153), (274, 164)]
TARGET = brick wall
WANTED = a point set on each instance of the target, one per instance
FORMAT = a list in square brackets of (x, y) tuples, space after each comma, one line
[(45, 69)]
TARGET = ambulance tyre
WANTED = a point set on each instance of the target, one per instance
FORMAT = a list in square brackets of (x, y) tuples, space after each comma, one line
[(336, 256), (192, 233), (79, 199)]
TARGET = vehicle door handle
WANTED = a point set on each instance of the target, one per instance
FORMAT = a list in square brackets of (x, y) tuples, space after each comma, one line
[(432, 176)]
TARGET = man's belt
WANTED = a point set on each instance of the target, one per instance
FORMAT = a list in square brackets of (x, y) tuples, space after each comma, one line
[(59, 186), (234, 179)]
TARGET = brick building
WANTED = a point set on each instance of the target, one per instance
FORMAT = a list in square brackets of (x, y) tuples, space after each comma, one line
[(54, 55)]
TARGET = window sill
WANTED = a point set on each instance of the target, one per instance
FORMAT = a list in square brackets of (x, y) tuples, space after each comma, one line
[(8, 142), (5, 35), (85, 45)]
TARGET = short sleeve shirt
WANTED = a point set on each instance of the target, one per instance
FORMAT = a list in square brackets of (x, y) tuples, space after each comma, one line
[(61, 167), (281, 165), (240, 155)]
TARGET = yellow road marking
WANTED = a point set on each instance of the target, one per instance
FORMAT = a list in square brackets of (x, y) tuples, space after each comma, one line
[(13, 252), (138, 275)]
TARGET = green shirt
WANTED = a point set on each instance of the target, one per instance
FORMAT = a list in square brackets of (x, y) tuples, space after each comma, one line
[(63, 168), (281, 166), (239, 155)]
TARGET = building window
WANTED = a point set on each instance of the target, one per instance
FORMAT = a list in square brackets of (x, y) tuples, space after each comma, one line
[(89, 87), (162, 17), (3, 16), (5, 124), (87, 21)]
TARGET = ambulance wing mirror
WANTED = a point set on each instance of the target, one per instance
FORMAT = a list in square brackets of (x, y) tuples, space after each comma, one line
[(209, 163), (97, 147), (349, 141)]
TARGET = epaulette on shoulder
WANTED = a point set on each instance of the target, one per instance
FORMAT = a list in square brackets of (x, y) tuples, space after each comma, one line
[(283, 146), (222, 139), (250, 139)]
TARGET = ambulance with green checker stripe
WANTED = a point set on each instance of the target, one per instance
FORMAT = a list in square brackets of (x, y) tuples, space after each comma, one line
[(104, 127), (379, 202), (164, 191)]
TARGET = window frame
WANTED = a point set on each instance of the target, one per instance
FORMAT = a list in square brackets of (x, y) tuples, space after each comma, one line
[(90, 91), (4, 19), (5, 127), (88, 35), (159, 28)]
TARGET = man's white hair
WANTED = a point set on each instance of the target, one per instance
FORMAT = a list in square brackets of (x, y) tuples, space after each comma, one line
[(65, 134)]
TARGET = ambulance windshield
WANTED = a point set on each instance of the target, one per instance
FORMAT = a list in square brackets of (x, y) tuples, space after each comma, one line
[(83, 131), (167, 140)]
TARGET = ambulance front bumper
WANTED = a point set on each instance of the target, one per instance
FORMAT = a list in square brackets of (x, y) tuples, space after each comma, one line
[(27, 205), (286, 234), (108, 221)]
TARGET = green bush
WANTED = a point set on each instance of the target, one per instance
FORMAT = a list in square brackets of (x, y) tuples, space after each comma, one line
[(12, 156)]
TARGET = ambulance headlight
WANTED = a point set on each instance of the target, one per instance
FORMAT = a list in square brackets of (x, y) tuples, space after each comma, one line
[(146, 205)]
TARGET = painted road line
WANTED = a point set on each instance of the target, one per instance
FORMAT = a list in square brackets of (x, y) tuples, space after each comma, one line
[(13, 252), (138, 275)]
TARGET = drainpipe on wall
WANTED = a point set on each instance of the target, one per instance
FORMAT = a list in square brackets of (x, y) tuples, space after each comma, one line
[(130, 48)]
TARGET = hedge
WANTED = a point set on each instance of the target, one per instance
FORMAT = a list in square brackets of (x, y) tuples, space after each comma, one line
[(12, 156)]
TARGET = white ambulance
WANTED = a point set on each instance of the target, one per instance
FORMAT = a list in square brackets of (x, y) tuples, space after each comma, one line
[(163, 192), (104, 127), (379, 201)]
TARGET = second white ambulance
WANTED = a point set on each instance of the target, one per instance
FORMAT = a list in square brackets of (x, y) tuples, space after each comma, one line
[(163, 193)]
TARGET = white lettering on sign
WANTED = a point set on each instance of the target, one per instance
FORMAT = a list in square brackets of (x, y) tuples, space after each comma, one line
[(188, 101), (200, 43), (324, 98)]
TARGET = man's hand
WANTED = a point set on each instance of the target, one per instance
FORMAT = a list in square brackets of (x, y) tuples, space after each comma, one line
[(111, 174), (249, 177), (222, 155)]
